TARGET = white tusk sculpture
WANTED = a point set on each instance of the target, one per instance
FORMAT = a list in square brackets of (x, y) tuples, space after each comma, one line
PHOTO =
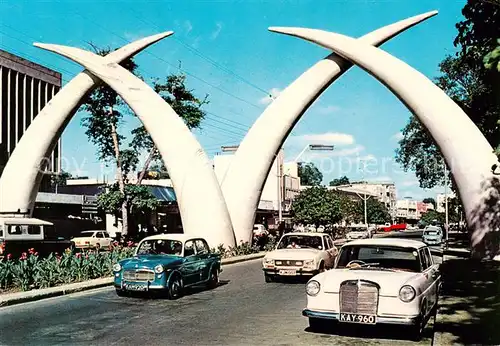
[(23, 172), (465, 149), (245, 178), (203, 209)]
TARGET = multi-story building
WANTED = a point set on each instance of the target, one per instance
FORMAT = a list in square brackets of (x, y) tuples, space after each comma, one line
[(25, 88), (411, 210)]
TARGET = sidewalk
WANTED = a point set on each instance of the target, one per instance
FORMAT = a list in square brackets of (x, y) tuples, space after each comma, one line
[(469, 306), (28, 296)]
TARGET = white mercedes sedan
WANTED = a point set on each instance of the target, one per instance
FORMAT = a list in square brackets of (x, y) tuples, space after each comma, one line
[(377, 281)]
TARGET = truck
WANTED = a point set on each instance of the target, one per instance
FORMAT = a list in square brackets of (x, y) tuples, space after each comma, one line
[(19, 234), (391, 228)]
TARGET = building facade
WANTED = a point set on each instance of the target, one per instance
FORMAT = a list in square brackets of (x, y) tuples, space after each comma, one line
[(440, 201), (25, 88), (410, 210)]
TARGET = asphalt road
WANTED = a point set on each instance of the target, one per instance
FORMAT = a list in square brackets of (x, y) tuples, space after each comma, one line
[(243, 310)]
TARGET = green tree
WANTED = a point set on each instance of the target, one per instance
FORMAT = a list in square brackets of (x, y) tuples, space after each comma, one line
[(469, 83), (376, 212), (340, 181), (317, 205), (309, 174), (349, 209), (59, 179), (432, 215), (430, 200)]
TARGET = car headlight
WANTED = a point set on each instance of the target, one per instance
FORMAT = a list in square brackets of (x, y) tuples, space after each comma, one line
[(312, 288), (268, 262), (159, 269), (309, 263), (407, 294), (117, 267)]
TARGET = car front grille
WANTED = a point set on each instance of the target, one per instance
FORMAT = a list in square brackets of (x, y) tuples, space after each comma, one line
[(138, 275), (358, 297), (289, 263)]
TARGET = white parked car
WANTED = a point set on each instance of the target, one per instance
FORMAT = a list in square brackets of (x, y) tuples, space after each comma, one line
[(358, 234), (259, 230), (92, 240), (377, 281), (299, 254), (432, 235)]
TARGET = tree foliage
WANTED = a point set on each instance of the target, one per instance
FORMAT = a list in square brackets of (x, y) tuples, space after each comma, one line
[(59, 179), (140, 199), (376, 211), (432, 215), (430, 200), (469, 83), (340, 181), (309, 174), (317, 205)]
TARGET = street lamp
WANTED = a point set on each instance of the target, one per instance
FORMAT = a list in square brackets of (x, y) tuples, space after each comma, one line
[(315, 147), (229, 148), (364, 198)]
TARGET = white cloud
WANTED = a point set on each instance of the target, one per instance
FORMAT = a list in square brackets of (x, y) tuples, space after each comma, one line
[(273, 93), (398, 136), (328, 109), (327, 137), (216, 32)]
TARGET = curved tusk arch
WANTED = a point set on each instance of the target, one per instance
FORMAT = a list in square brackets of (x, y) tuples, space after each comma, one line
[(465, 149), (202, 206), (23, 172), (244, 180)]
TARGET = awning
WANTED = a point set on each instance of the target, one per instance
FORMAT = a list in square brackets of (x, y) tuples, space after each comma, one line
[(163, 193)]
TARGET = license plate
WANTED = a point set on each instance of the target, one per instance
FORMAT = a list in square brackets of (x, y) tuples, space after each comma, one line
[(288, 272), (356, 318), (139, 288)]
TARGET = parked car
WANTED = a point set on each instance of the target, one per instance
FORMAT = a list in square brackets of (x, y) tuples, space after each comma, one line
[(299, 254), (92, 239), (260, 230), (168, 263), (377, 281), (432, 235), (358, 233)]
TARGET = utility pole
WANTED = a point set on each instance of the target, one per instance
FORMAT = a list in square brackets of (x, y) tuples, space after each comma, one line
[(364, 198), (280, 180)]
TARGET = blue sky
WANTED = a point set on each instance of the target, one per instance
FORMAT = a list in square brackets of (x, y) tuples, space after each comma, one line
[(228, 53)]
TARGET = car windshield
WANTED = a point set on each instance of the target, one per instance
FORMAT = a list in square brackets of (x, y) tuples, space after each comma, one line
[(379, 257), (300, 241), (160, 247), (87, 233)]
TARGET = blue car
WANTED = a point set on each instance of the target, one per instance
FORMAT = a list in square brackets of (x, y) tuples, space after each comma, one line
[(168, 263)]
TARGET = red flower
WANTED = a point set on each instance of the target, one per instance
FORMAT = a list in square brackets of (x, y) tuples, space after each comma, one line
[(36, 253), (9, 256), (31, 251), (24, 256), (78, 255)]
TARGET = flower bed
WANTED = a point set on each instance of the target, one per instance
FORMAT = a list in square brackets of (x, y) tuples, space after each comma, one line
[(30, 271)]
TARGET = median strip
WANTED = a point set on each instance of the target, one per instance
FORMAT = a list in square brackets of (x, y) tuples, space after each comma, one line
[(44, 293)]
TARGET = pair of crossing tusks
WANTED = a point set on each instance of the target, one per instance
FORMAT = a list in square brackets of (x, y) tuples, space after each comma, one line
[(224, 212)]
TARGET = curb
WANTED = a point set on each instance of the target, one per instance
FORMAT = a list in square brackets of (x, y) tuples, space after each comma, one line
[(44, 293)]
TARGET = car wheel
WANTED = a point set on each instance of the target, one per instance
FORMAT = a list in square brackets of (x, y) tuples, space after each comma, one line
[(97, 246), (120, 293), (213, 281), (175, 288), (321, 267), (417, 330), (268, 278), (315, 324)]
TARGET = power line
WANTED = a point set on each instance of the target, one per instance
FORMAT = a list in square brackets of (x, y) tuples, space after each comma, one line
[(203, 56), (177, 67)]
